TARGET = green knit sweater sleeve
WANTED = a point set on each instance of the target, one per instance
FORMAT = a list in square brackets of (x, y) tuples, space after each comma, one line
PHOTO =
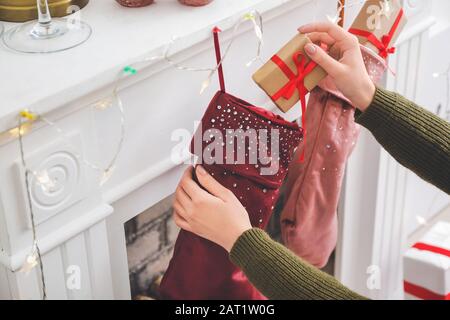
[(278, 274), (415, 137)]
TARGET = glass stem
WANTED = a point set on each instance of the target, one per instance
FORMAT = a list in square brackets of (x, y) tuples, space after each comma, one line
[(44, 29), (44, 16)]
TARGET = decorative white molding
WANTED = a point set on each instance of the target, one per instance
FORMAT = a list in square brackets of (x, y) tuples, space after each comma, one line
[(416, 29), (59, 236), (391, 213), (59, 160), (76, 269), (144, 177)]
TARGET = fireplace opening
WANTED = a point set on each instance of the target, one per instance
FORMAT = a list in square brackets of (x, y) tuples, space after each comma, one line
[(150, 238)]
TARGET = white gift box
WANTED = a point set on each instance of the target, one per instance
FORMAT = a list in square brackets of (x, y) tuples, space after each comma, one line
[(427, 266)]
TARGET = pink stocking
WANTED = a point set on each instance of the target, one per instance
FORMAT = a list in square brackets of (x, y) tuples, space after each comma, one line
[(309, 220)]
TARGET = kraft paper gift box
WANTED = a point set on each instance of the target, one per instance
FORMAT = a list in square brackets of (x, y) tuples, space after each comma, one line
[(379, 24), (427, 266), (288, 73)]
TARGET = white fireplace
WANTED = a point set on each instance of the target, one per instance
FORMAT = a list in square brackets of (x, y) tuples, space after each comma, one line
[(80, 226)]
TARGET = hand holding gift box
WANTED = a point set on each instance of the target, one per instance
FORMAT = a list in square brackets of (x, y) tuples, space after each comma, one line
[(290, 75), (427, 266)]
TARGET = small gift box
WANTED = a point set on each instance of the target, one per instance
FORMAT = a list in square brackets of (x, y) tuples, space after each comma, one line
[(379, 24), (427, 266), (289, 75)]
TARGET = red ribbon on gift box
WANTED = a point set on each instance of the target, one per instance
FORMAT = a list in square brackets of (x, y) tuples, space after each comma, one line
[(296, 82), (382, 45), (421, 292), (427, 247)]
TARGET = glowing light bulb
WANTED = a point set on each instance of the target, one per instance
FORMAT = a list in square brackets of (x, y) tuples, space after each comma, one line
[(47, 184), (103, 104), (205, 85), (107, 175), (31, 261), (20, 131), (335, 19), (249, 16), (248, 64), (421, 220)]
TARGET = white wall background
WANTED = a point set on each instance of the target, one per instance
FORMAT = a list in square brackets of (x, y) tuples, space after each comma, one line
[(423, 201), (383, 203)]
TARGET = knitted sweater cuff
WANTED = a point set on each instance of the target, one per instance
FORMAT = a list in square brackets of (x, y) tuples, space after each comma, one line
[(379, 114), (244, 247)]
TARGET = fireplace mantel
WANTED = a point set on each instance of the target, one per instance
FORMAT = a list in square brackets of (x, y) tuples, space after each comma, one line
[(121, 35), (81, 228)]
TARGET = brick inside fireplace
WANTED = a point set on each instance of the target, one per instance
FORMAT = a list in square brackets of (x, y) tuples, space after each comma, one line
[(150, 238)]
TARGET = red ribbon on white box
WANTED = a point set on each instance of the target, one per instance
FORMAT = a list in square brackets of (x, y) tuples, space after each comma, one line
[(420, 292), (427, 247), (423, 293)]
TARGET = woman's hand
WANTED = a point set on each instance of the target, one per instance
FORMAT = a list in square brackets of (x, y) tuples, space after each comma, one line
[(345, 63), (215, 214)]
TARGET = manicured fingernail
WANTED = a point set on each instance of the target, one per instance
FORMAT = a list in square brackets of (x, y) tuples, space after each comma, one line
[(302, 28), (201, 170), (310, 49)]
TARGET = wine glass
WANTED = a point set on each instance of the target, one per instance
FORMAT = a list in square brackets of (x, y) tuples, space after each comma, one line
[(47, 34)]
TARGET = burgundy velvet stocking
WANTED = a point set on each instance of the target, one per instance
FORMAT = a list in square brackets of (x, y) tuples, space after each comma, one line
[(199, 268), (248, 150)]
